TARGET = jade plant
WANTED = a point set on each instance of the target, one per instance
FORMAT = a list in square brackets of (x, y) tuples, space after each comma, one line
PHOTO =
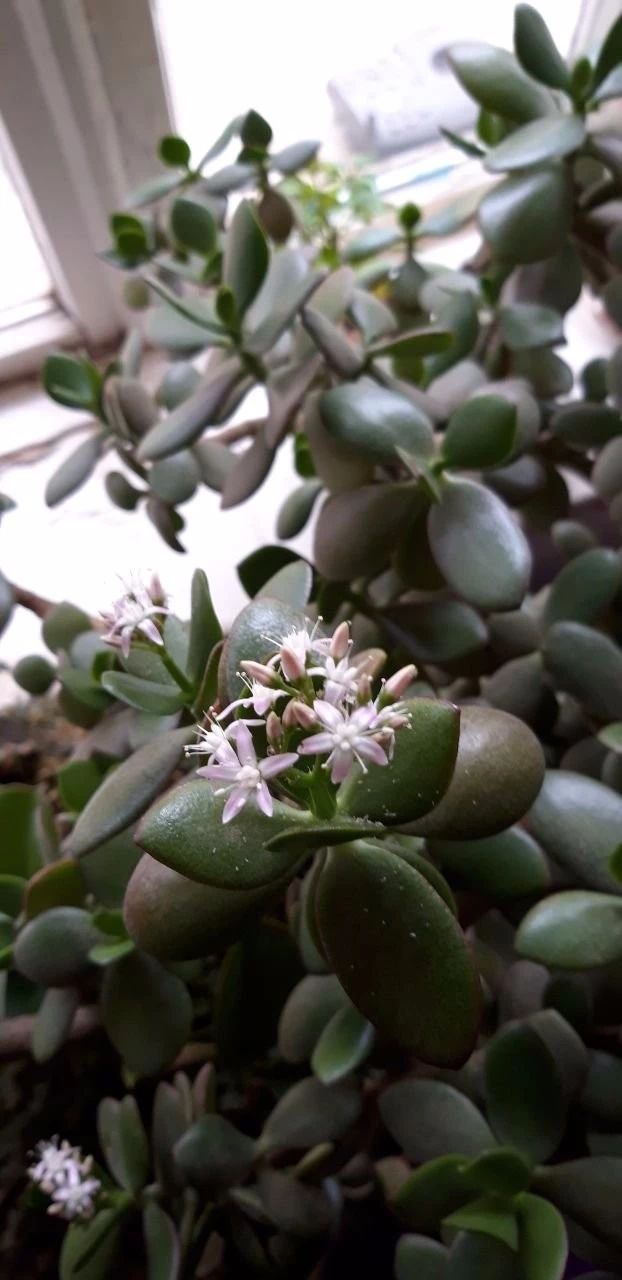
[(332, 899)]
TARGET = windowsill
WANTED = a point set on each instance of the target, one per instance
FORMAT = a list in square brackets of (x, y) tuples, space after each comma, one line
[(23, 346)]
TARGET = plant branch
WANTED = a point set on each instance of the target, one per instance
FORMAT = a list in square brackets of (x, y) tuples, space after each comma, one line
[(30, 453)]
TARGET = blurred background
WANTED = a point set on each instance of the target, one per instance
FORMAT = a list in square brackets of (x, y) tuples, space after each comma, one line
[(86, 89)]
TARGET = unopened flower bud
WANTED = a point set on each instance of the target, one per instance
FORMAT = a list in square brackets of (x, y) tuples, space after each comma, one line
[(274, 729), (340, 642), (398, 683), (258, 671), (298, 715), (291, 665)]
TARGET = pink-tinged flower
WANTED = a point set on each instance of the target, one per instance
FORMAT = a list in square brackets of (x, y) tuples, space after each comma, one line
[(212, 742), (340, 641), (299, 715), (342, 680), (295, 647), (258, 671), (63, 1173), (398, 683), (347, 737), (261, 698), (134, 611), (245, 778), (274, 729)]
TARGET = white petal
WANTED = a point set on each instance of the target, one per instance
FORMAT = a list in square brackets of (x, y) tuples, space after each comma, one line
[(221, 772), (327, 714), (276, 764), (263, 800), (234, 804), (341, 765), (370, 750), (240, 733), (317, 745)]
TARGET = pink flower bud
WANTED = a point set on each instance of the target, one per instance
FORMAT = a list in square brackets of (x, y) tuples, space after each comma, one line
[(340, 642), (274, 729), (291, 665), (298, 715), (258, 671), (398, 683)]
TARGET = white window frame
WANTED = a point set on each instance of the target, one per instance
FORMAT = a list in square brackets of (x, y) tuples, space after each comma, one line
[(82, 101)]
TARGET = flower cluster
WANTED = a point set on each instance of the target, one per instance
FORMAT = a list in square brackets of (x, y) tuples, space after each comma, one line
[(64, 1174), (312, 698), (136, 610)]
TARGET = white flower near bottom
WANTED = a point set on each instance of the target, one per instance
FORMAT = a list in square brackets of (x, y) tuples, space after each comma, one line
[(243, 776), (62, 1173), (134, 611), (347, 738)]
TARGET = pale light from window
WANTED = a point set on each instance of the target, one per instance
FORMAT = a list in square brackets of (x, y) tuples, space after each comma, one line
[(25, 282)]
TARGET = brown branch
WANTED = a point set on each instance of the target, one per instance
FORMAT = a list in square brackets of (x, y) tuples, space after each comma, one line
[(238, 431), (30, 600), (16, 1033), (29, 453)]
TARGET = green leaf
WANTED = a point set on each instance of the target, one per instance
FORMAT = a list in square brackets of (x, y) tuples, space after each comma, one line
[(174, 151), (193, 226), (246, 257), (284, 291), (11, 894), (21, 855), (610, 55), (146, 1011), (309, 1113), (523, 1092), (538, 54), (123, 1141), (474, 1256), (497, 775), (71, 382), (481, 433), (439, 630), (526, 216), (127, 791), (213, 1154), (500, 1172), (293, 584), (73, 472), (468, 148), (419, 774), (428, 1118), (357, 530), (494, 79), (611, 737), (90, 1249), (255, 132), (373, 422), (540, 141), (345, 1042), (254, 635), (106, 953), (53, 1021), (602, 1092), (205, 630), (340, 354), (529, 324), (431, 1192), (188, 421), (257, 568), (577, 821), (588, 1191), (383, 926), (585, 425), (573, 929), (161, 1243), (586, 664), (175, 479), (53, 948), (309, 1008), (419, 1258), (542, 1240), (413, 344), (488, 1216), (584, 588), (478, 546), (507, 865), (145, 695), (296, 511), (296, 156), (62, 624), (249, 472), (58, 885)]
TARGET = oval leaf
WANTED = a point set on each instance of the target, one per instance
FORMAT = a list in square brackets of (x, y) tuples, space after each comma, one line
[(478, 546)]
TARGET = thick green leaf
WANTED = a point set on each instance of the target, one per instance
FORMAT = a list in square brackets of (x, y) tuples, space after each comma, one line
[(62, 624), (308, 1009), (345, 1042), (90, 1249), (71, 381), (293, 584), (77, 781), (357, 530), (173, 918), (529, 324), (296, 156), (498, 773), (374, 422), (249, 472), (573, 929), (161, 1244), (386, 931), (578, 820), (145, 695), (481, 433), (523, 1092), (58, 885), (498, 1172), (193, 226), (187, 422), (602, 1092), (429, 1118), (480, 1257), (11, 894), (205, 630), (296, 510), (413, 344), (526, 216), (508, 865), (585, 425), (541, 140), (21, 855), (542, 1240), (255, 635), (419, 1258), (431, 1192), (127, 791), (538, 54), (588, 1191), (584, 587), (478, 546), (213, 1154), (494, 78), (53, 949), (146, 1011), (123, 1140), (184, 830), (587, 664), (53, 1021), (340, 354), (246, 257), (256, 569), (610, 55), (73, 472), (419, 774), (435, 631), (175, 479), (488, 1216), (309, 1113)]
